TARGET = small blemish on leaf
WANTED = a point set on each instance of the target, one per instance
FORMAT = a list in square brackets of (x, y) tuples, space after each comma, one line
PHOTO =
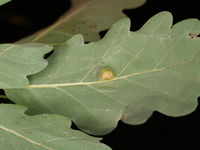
[(192, 35), (106, 74), (123, 117), (93, 26)]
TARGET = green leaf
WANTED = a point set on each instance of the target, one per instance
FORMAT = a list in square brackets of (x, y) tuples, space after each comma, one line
[(4, 1), (19, 60), (42, 132), (125, 76), (86, 17)]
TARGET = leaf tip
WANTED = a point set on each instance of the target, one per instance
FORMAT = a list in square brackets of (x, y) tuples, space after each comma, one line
[(76, 39), (165, 13), (125, 21), (160, 23)]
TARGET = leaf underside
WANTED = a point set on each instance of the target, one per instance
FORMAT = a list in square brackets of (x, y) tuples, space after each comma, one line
[(41, 132), (86, 17), (19, 60), (154, 69)]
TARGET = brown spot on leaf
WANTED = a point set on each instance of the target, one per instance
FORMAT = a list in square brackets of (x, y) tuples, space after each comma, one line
[(93, 26), (192, 35), (123, 117)]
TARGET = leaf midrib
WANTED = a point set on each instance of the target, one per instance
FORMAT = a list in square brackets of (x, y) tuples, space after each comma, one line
[(24, 138), (106, 81)]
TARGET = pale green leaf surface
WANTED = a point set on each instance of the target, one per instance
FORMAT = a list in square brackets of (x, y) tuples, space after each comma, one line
[(156, 69), (86, 17), (41, 132), (4, 1), (19, 60)]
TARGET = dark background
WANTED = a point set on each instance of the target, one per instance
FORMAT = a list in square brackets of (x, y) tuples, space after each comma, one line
[(20, 18)]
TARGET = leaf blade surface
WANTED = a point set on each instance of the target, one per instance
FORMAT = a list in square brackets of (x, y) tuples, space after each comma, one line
[(41, 132), (154, 69), (20, 60), (4, 1)]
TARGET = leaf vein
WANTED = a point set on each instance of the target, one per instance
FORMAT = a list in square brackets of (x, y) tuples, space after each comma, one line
[(101, 92), (24, 138)]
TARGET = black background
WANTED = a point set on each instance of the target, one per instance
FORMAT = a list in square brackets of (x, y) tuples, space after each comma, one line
[(20, 18)]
